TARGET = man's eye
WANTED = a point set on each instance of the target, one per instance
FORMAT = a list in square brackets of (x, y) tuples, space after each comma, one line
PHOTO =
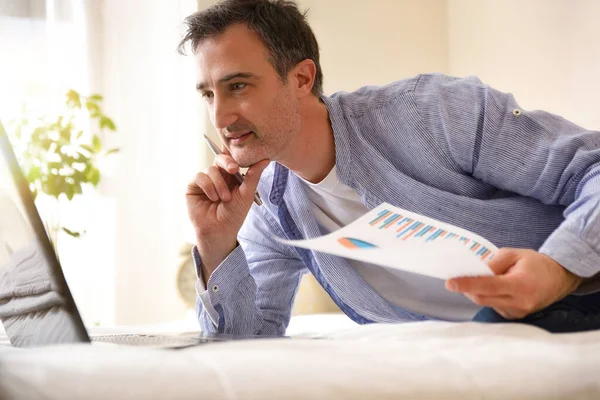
[(238, 86), (207, 95)]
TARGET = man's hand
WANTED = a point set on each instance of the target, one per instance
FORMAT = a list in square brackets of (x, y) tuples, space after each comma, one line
[(217, 206), (525, 281)]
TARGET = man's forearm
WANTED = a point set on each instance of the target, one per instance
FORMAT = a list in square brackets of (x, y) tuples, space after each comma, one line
[(232, 292)]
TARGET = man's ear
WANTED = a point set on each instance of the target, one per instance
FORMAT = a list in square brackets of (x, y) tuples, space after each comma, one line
[(303, 77)]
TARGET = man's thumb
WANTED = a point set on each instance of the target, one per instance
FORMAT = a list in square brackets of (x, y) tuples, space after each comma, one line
[(248, 187), (503, 260)]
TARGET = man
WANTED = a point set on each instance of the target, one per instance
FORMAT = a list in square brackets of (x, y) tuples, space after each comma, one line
[(453, 149)]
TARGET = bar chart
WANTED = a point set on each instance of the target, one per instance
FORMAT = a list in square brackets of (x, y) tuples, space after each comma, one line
[(407, 228)]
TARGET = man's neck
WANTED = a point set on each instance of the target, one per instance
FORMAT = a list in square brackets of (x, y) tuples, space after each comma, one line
[(311, 154)]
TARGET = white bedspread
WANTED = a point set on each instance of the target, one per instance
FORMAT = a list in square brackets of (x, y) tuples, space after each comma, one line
[(419, 360)]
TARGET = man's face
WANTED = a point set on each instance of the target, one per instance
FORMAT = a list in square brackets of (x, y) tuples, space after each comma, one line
[(256, 114)]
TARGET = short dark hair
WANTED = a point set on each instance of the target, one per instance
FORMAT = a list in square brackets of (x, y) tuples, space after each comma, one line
[(279, 23)]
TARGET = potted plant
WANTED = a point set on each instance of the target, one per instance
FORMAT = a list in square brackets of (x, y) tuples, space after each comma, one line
[(59, 153)]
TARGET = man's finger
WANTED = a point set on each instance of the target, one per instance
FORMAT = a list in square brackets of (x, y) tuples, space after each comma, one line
[(221, 186), (481, 285), (500, 302), (205, 185), (227, 163), (248, 187), (503, 259)]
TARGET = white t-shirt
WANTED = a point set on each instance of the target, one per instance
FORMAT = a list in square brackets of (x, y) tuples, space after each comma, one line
[(335, 205)]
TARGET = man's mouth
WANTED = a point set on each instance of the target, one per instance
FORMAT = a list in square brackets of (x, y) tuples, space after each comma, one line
[(239, 138)]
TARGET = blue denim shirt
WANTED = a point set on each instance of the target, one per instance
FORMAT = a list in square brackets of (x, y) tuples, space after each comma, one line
[(452, 149)]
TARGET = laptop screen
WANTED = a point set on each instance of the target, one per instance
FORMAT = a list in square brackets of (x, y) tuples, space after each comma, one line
[(36, 306), (16, 231)]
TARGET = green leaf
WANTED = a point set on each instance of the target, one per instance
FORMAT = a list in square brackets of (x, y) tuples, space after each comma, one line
[(92, 107), (107, 123), (65, 133), (88, 168), (78, 177), (34, 173), (77, 187), (93, 176), (73, 99), (63, 185), (111, 151), (96, 144), (96, 97), (69, 191), (51, 189), (82, 159), (53, 164), (45, 144), (88, 148), (71, 233)]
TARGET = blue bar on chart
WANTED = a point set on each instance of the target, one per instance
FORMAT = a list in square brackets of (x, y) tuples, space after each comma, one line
[(408, 229)]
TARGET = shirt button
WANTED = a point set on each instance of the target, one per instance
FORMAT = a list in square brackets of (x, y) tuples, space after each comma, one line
[(516, 112), (215, 288)]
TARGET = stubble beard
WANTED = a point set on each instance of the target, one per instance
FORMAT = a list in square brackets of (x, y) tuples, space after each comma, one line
[(249, 154)]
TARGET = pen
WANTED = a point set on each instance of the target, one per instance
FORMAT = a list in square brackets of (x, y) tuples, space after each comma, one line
[(237, 175)]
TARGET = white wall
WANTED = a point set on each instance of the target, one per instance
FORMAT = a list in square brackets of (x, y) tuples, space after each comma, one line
[(546, 52), (378, 41), (150, 92)]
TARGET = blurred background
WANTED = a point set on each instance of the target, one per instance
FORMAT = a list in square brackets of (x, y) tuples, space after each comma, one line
[(126, 248)]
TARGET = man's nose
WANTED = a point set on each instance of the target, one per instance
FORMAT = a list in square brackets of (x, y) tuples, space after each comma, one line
[(223, 113)]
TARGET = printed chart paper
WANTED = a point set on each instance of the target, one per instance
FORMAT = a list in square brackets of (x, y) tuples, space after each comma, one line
[(400, 239)]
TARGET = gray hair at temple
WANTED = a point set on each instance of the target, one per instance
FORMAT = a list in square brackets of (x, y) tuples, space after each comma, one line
[(279, 23)]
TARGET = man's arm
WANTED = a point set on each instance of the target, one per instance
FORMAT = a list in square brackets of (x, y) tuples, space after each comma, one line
[(534, 154), (252, 290)]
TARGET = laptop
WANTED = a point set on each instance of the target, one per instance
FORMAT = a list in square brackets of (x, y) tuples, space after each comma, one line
[(36, 305)]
